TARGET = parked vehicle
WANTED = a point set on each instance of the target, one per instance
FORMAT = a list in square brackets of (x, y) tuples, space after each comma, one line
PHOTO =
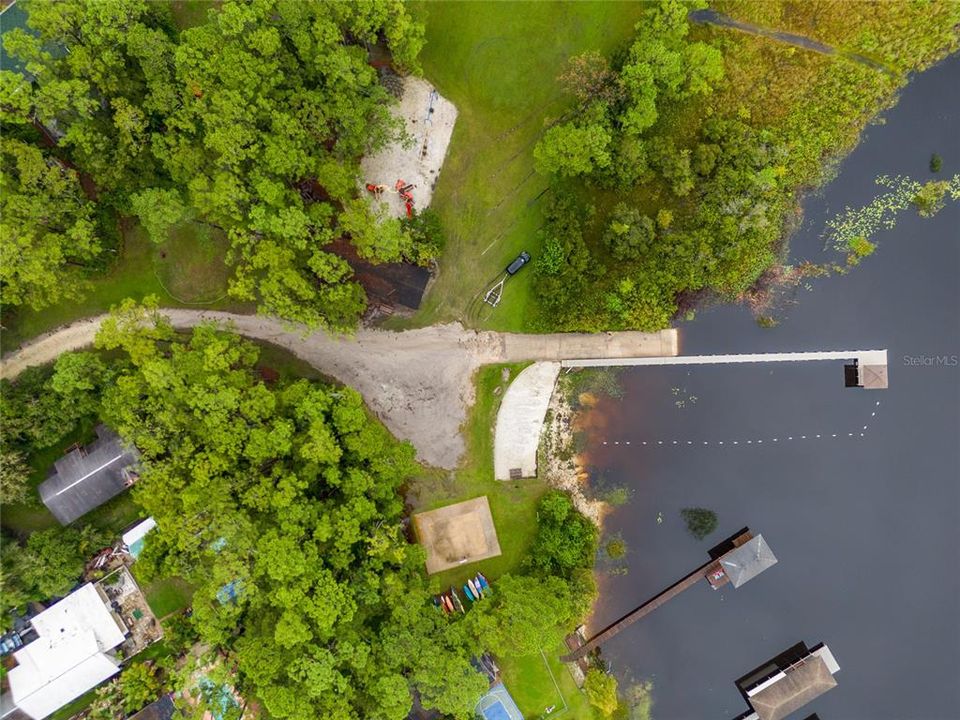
[(521, 260)]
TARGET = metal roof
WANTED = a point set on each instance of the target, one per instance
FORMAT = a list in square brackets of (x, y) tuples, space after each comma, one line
[(162, 709), (747, 561), (69, 656), (797, 687), (85, 479)]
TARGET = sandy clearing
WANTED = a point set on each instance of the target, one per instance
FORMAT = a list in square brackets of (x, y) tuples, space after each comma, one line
[(429, 119), (418, 382)]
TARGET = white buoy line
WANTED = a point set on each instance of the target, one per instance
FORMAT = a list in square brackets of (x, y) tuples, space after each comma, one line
[(862, 432)]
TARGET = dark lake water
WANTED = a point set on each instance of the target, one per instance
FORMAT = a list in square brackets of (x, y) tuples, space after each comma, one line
[(866, 528)]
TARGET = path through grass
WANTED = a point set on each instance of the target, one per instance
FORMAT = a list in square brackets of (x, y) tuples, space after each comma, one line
[(498, 63)]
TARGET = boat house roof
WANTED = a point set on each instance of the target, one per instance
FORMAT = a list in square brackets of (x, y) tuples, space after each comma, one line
[(86, 478), (747, 561), (795, 688)]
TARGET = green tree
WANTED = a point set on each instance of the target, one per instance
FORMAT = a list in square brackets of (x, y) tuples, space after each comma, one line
[(566, 541), (14, 477), (630, 234), (48, 234), (700, 521), (52, 562), (140, 684), (569, 150), (108, 702), (106, 87), (288, 495), (159, 209), (241, 148), (601, 690), (528, 613)]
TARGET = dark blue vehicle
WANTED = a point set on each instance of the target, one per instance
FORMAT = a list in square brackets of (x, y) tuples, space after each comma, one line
[(522, 259)]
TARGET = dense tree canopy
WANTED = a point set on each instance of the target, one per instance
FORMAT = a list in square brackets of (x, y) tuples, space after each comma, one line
[(714, 145), (48, 230), (224, 122), (280, 503)]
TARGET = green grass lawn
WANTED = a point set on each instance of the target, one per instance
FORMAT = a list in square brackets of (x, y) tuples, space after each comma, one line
[(190, 265), (539, 681), (189, 13), (167, 595), (193, 265), (498, 63), (512, 504)]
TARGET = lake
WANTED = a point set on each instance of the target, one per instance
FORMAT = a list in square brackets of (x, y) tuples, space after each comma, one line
[(866, 527)]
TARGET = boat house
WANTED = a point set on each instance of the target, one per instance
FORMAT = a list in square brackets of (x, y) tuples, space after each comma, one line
[(86, 477), (788, 682), (747, 561)]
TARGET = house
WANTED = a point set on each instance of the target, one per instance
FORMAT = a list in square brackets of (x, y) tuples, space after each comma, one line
[(788, 682), (86, 477), (71, 654)]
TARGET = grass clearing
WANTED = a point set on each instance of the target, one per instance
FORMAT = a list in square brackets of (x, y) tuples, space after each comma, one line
[(190, 266), (498, 63), (190, 13), (512, 504), (168, 595), (198, 266), (539, 681)]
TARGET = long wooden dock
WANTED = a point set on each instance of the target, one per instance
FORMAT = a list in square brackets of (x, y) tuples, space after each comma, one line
[(645, 609), (863, 357), (713, 572)]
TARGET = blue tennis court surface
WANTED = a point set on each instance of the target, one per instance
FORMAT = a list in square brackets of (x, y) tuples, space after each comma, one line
[(498, 705)]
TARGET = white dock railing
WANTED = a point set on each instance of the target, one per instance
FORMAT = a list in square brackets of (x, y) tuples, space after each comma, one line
[(863, 357)]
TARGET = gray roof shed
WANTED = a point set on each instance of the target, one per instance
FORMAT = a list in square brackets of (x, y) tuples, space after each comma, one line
[(86, 478), (747, 561)]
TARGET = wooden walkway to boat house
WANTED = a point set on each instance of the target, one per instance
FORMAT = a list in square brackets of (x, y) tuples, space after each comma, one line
[(742, 558)]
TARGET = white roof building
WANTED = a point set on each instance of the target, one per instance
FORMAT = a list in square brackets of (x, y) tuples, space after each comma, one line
[(138, 531), (70, 655)]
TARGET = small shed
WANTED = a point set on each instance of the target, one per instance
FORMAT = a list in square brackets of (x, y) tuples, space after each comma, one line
[(747, 561), (87, 477)]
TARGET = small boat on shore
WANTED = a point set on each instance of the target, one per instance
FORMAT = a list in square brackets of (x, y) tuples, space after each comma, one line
[(448, 603), (469, 593), (457, 602), (483, 581), (477, 594)]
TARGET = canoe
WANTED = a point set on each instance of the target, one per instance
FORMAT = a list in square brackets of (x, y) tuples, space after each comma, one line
[(469, 593), (448, 603), (483, 581), (457, 602), (474, 589)]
